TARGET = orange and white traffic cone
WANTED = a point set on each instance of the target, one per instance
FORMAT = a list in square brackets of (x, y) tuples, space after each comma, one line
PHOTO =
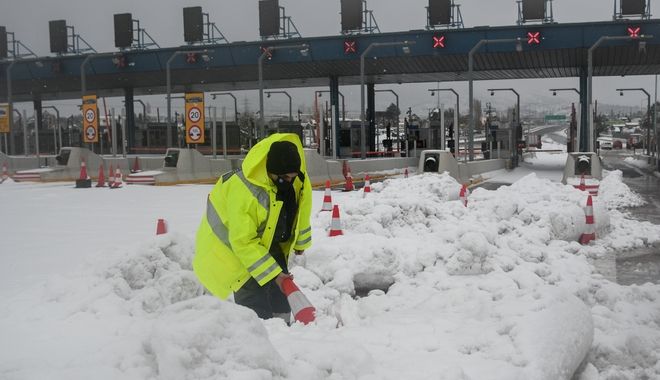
[(83, 170), (101, 181), (327, 198), (583, 186), (590, 233), (117, 183), (161, 227), (463, 194), (405, 173), (367, 186), (5, 172), (136, 166), (111, 176), (335, 224), (303, 311), (349, 182)]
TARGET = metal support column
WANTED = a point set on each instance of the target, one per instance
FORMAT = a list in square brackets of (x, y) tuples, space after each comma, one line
[(334, 101), (371, 116), (130, 117), (38, 123), (583, 132)]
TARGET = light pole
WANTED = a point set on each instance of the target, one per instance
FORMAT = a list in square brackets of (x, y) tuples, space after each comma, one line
[(590, 64), (10, 104), (398, 132), (471, 124), (289, 96), (59, 130), (456, 112), (235, 103), (343, 104), (648, 114), (169, 86), (363, 133), (304, 50), (83, 79), (571, 137)]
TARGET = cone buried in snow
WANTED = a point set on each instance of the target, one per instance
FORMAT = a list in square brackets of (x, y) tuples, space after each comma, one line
[(101, 181), (582, 186), (405, 173), (84, 181), (327, 198), (117, 182), (590, 232), (367, 186), (303, 311), (463, 195), (349, 183), (111, 176), (335, 224), (83, 170), (161, 227)]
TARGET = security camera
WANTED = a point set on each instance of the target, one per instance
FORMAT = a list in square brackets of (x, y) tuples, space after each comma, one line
[(492, 93), (432, 93), (554, 93), (620, 93)]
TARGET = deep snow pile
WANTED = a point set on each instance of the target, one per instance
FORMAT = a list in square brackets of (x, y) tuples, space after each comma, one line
[(497, 290)]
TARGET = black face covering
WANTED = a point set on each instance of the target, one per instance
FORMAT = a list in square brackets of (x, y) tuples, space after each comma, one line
[(283, 185)]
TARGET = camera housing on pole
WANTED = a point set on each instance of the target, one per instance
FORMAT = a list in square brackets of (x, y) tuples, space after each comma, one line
[(274, 23), (356, 18), (126, 28), (534, 11), (198, 29), (443, 14), (628, 9), (64, 40)]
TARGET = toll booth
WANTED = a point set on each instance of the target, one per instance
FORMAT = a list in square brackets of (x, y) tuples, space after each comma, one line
[(435, 136), (286, 126), (350, 137), (155, 136), (234, 139)]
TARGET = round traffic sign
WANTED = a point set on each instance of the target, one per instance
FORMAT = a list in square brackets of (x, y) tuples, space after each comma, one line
[(194, 114), (195, 133), (90, 131), (90, 115)]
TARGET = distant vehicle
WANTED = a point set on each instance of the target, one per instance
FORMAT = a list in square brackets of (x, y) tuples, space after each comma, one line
[(606, 144), (635, 141), (617, 144)]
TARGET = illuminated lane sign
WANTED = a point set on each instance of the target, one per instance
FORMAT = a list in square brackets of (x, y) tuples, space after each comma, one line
[(634, 31), (438, 42), (195, 118), (350, 46), (533, 38)]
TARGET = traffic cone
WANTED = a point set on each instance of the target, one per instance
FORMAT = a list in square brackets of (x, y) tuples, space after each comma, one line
[(5, 172), (117, 182), (161, 227), (303, 311), (590, 233), (405, 173), (136, 166), (83, 170), (349, 182), (335, 224), (111, 176), (367, 186), (327, 198), (582, 186), (463, 194), (101, 182)]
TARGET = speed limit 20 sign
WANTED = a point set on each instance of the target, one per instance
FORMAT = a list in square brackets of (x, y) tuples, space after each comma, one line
[(90, 119), (195, 118)]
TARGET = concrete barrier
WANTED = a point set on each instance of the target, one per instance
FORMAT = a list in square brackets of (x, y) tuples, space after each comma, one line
[(579, 163), (438, 161), (361, 167), (470, 169)]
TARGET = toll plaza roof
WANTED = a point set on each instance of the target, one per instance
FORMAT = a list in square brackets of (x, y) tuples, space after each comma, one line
[(548, 51)]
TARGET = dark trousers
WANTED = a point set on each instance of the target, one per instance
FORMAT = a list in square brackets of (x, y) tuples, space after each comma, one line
[(264, 300)]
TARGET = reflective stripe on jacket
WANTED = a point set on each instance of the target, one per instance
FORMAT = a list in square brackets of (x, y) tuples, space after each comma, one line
[(237, 230)]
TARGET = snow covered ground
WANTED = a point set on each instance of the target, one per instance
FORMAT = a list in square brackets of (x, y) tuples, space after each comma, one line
[(496, 290)]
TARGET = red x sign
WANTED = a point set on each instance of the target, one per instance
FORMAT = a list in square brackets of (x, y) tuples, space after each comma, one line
[(633, 31), (269, 53), (191, 57), (533, 38), (438, 42), (350, 46)]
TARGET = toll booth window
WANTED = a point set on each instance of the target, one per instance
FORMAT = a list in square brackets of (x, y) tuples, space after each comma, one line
[(171, 159), (582, 165), (63, 157), (431, 162)]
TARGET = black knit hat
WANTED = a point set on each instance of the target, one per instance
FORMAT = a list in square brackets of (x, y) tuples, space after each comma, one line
[(283, 158)]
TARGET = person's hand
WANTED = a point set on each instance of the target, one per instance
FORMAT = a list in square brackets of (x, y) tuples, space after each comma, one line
[(299, 252), (281, 277)]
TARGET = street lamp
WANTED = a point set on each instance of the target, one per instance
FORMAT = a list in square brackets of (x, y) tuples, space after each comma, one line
[(590, 63), (343, 104), (304, 50), (406, 49), (398, 132), (648, 113), (554, 90), (169, 85), (235, 103), (471, 124), (289, 96), (456, 111)]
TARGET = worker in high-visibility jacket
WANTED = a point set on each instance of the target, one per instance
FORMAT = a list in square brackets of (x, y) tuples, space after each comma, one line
[(255, 217)]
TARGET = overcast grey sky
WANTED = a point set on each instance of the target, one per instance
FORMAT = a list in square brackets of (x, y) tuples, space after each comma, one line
[(238, 21)]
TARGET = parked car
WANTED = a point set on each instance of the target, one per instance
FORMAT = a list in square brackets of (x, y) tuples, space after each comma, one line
[(606, 144)]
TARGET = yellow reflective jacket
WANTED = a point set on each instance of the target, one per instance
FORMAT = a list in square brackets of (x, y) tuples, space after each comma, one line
[(235, 235)]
